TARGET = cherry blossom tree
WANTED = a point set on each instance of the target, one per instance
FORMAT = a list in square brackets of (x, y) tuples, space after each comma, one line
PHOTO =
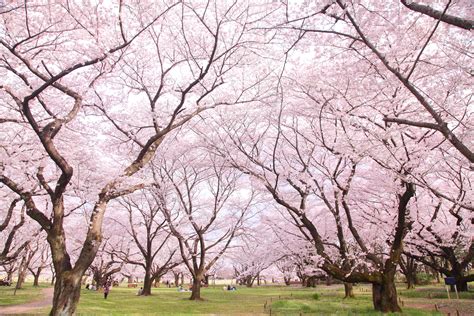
[(201, 211), (147, 229)]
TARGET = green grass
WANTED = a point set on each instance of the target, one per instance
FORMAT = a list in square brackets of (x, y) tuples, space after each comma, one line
[(244, 301), (27, 294)]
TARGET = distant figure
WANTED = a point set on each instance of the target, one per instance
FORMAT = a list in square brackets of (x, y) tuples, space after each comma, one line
[(92, 287), (106, 290), (140, 292), (180, 288), (224, 288), (87, 286), (229, 288)]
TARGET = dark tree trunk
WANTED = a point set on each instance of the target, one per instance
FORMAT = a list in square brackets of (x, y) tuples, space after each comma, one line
[(176, 279), (411, 280), (287, 280), (147, 282), (249, 281), (311, 281), (384, 296), (67, 290), (196, 289), (348, 290), (36, 277)]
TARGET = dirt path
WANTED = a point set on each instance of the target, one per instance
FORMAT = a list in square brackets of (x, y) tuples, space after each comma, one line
[(27, 308), (451, 307)]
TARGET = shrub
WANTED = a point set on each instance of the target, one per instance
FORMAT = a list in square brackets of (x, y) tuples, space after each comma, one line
[(315, 296)]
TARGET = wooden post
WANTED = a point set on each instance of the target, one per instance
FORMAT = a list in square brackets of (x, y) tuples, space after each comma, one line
[(436, 308), (457, 313)]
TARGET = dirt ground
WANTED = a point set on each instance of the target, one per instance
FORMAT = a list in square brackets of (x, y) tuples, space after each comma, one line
[(31, 307), (452, 307)]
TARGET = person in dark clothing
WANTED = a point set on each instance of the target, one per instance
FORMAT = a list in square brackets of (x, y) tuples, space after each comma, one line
[(106, 290)]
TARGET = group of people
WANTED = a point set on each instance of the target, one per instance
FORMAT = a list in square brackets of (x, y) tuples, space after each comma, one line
[(229, 288), (105, 288)]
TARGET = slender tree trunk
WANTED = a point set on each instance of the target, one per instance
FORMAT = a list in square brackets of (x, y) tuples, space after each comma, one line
[(384, 295), (348, 290), (36, 277), (21, 273), (176, 279), (196, 289)]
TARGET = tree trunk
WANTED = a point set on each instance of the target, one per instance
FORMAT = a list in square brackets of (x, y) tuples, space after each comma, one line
[(384, 296), (411, 280), (67, 290), (36, 277), (176, 279), (196, 289), (311, 281), (156, 282), (348, 290), (287, 280), (147, 283)]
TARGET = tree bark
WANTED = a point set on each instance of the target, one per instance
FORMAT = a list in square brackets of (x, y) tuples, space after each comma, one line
[(384, 295), (196, 290), (147, 282), (176, 279), (36, 277), (411, 280), (67, 290), (311, 281), (348, 290)]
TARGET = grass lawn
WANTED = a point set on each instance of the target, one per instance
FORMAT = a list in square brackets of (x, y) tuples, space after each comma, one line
[(25, 295), (247, 301), (244, 301)]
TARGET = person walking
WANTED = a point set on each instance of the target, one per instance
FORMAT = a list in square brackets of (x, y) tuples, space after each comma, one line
[(106, 290)]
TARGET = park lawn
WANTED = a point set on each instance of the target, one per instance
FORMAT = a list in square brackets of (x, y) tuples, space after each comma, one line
[(244, 301), (27, 294)]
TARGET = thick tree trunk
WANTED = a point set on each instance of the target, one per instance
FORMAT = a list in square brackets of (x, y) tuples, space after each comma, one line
[(411, 280), (147, 283), (311, 281), (348, 290), (249, 281), (287, 280), (196, 289), (67, 290), (384, 296)]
